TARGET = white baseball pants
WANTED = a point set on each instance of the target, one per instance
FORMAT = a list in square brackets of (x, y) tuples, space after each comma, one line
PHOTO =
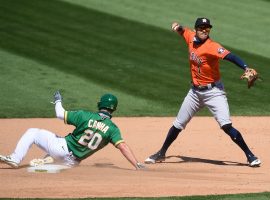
[(49, 142)]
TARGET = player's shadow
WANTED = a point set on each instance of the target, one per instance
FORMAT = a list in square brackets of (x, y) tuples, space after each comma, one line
[(187, 159), (108, 165)]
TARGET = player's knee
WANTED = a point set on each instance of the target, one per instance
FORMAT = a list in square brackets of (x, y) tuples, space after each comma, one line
[(226, 128), (232, 132), (178, 125), (32, 131), (176, 130)]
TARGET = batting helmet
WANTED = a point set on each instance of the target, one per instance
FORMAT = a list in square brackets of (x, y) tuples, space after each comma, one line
[(108, 101)]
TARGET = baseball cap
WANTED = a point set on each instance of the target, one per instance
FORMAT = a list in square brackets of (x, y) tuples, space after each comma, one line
[(202, 21)]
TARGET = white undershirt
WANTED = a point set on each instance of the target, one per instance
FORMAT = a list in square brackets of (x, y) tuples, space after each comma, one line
[(59, 110)]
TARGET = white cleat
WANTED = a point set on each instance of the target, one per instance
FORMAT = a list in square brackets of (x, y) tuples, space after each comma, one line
[(254, 162), (149, 161), (41, 161), (8, 160), (157, 157)]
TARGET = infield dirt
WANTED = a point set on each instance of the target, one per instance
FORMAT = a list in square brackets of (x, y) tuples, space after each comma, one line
[(203, 160)]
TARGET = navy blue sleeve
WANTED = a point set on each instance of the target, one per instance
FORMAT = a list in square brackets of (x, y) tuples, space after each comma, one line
[(236, 60)]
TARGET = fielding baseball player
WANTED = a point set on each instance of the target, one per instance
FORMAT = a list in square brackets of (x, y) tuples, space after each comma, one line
[(93, 131), (207, 88)]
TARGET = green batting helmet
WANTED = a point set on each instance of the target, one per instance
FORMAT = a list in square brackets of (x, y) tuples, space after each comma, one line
[(108, 101)]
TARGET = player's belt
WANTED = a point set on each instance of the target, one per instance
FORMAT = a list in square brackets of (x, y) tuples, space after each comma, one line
[(203, 87)]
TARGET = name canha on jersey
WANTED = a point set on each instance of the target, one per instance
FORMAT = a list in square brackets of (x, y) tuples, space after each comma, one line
[(93, 132)]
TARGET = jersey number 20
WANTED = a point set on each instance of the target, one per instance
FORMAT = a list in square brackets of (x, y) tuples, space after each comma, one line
[(90, 139)]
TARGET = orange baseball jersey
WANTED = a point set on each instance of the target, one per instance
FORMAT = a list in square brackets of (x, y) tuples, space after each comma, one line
[(204, 59)]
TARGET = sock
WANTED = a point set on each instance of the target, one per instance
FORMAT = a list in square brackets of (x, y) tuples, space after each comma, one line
[(238, 139), (171, 136)]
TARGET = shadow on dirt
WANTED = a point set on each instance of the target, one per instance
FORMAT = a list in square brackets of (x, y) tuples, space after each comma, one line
[(184, 159), (108, 165)]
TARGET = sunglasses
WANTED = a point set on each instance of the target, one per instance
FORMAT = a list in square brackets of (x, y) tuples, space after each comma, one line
[(201, 28)]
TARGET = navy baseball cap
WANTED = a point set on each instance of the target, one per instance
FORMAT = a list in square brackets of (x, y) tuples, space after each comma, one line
[(202, 21)]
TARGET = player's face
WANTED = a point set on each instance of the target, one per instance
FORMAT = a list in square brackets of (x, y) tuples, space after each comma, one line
[(202, 32)]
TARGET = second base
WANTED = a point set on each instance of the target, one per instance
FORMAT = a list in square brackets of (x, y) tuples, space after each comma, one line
[(48, 168)]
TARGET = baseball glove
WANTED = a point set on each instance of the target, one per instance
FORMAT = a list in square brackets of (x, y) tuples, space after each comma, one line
[(251, 75)]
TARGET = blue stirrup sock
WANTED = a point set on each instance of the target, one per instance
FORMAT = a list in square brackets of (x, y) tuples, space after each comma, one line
[(237, 138), (171, 136)]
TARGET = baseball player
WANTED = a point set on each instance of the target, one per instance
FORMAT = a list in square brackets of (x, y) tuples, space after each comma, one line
[(93, 131), (206, 88)]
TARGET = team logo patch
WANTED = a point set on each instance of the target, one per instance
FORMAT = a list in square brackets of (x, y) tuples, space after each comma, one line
[(221, 50)]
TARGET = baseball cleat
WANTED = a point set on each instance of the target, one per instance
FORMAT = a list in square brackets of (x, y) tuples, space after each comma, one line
[(41, 161), (157, 157), (254, 162), (8, 160)]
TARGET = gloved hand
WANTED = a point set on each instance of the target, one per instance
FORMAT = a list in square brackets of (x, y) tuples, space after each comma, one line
[(251, 76), (140, 166), (57, 97)]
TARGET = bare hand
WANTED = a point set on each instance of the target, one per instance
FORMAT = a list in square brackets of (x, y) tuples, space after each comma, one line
[(175, 26)]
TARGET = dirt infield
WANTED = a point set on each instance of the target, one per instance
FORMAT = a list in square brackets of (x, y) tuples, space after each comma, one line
[(203, 160)]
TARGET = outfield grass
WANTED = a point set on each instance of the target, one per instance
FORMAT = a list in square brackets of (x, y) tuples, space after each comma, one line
[(235, 22), (85, 52)]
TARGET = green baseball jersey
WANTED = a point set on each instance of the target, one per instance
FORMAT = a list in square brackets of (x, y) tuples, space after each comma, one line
[(93, 132)]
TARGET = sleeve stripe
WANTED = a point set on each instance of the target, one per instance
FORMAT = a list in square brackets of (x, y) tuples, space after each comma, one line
[(118, 142), (65, 117)]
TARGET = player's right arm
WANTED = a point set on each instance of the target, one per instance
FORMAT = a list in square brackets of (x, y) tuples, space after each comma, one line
[(177, 28), (185, 32), (118, 142), (127, 152)]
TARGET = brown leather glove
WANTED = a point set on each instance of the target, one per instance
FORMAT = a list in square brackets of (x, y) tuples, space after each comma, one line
[(251, 75)]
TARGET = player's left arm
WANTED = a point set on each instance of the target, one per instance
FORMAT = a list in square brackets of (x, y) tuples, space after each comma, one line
[(59, 110), (127, 152), (236, 60), (249, 74)]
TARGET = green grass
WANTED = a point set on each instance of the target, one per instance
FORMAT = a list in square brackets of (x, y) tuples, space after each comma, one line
[(30, 96), (235, 22), (85, 52)]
